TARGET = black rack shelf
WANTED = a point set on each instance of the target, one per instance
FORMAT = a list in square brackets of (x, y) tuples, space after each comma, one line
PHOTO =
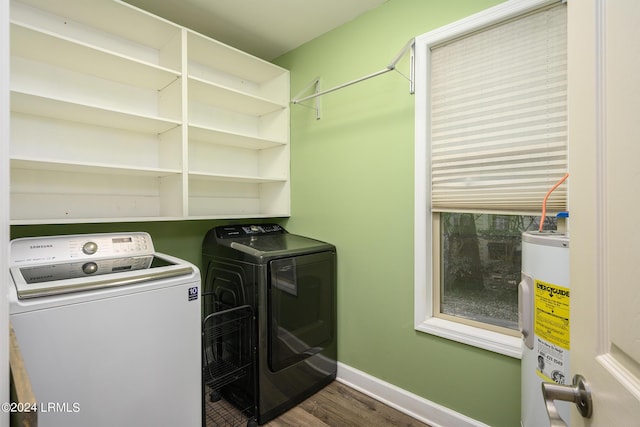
[(227, 357)]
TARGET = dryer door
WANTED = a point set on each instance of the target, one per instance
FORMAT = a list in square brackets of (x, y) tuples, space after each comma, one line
[(302, 301)]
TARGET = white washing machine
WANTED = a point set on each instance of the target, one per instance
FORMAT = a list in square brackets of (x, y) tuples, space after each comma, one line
[(109, 330)]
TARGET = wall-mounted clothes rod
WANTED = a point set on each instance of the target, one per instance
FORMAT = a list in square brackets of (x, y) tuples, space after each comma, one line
[(392, 66)]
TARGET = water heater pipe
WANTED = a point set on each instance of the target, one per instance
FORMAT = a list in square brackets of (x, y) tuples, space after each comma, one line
[(544, 202)]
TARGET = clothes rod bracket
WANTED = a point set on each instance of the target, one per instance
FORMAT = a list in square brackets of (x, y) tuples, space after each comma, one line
[(315, 83)]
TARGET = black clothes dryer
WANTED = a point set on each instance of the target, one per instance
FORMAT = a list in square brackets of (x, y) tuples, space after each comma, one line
[(290, 282)]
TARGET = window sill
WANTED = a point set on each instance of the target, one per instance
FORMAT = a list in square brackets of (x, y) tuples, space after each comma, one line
[(477, 337)]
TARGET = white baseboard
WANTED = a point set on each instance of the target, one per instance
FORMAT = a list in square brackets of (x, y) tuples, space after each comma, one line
[(413, 405)]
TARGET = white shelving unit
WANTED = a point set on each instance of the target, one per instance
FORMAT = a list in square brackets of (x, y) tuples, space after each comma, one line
[(118, 115)]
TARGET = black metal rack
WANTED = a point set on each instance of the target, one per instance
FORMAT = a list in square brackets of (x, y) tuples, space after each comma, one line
[(228, 355)]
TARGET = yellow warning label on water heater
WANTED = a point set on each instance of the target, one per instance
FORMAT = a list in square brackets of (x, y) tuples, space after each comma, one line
[(551, 313)]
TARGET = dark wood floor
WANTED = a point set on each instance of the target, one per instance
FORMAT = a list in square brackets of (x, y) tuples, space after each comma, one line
[(337, 406)]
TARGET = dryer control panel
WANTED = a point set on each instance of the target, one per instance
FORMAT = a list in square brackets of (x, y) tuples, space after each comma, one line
[(246, 230)]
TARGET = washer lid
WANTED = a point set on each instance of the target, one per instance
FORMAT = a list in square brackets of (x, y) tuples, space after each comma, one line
[(33, 281), (278, 245)]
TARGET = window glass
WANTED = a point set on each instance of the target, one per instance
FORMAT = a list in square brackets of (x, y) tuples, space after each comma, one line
[(480, 262)]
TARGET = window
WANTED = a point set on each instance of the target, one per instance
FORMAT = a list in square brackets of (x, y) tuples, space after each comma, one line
[(479, 267), (490, 142)]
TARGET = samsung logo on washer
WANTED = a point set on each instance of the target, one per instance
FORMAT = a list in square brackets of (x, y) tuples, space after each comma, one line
[(37, 279), (40, 246)]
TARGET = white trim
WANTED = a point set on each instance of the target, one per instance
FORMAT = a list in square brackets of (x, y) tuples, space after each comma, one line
[(501, 12), (408, 403), (602, 204), (5, 279), (477, 337), (423, 286)]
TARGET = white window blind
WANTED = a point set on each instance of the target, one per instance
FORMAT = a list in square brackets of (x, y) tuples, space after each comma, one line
[(498, 125)]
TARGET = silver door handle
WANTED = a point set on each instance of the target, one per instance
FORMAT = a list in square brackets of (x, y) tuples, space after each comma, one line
[(578, 393)]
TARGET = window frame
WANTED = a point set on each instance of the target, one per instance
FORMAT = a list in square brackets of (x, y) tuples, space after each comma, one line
[(437, 290), (424, 251)]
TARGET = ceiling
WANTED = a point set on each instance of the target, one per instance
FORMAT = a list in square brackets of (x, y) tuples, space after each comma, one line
[(264, 28)]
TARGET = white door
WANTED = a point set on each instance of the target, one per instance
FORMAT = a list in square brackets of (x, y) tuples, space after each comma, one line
[(604, 191)]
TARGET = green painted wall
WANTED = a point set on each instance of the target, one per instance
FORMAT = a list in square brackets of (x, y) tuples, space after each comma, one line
[(352, 185)]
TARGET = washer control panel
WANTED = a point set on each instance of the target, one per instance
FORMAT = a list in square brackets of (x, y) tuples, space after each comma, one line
[(55, 249)]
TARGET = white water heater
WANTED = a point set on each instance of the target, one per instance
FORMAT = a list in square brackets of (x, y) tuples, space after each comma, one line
[(544, 306)]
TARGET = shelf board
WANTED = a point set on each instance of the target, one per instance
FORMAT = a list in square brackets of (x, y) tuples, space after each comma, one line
[(44, 47), (243, 179), (85, 220), (231, 99), (222, 137), (69, 111), (240, 216), (93, 168)]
